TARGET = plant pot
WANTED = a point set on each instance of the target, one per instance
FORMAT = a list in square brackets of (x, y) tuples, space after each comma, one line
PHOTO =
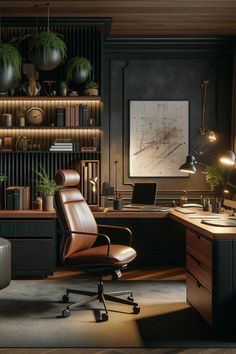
[(91, 92), (63, 92), (6, 78), (48, 203), (43, 61), (79, 75)]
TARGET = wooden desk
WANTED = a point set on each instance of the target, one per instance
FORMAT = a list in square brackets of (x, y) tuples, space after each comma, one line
[(210, 263), (211, 270), (33, 240)]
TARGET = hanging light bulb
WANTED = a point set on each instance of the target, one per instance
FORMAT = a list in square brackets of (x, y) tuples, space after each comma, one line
[(211, 136)]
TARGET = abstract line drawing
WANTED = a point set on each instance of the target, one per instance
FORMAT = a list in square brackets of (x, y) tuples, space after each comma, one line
[(159, 138)]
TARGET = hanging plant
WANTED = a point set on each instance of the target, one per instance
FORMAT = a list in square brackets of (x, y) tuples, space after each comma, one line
[(78, 69), (46, 50), (10, 66)]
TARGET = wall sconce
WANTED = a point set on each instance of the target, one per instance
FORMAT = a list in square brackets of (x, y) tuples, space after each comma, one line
[(203, 130)]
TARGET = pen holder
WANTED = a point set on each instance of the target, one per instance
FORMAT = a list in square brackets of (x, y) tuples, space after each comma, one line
[(205, 207), (118, 204)]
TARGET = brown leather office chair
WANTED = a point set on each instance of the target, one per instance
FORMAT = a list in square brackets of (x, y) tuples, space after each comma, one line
[(87, 245)]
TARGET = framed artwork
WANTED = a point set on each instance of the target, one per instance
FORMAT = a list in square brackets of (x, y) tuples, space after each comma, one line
[(158, 138)]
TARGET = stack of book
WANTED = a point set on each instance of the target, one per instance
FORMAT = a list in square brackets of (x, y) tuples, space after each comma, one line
[(62, 145), (18, 198)]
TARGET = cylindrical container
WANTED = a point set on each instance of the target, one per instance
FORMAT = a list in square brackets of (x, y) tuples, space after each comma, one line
[(22, 121), (118, 204), (48, 203), (38, 203), (5, 263), (7, 120)]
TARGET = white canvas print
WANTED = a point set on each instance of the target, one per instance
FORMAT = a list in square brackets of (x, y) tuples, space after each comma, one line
[(159, 138)]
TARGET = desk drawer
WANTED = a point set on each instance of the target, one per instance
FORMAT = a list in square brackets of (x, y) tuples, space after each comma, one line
[(200, 248), (199, 298), (200, 272)]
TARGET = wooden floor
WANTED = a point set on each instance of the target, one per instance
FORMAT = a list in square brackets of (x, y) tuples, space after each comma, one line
[(142, 273), (137, 273)]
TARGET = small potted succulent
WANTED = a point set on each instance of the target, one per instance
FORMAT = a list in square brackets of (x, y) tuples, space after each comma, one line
[(78, 70), (91, 88), (63, 87), (10, 67), (46, 50), (21, 112), (46, 188)]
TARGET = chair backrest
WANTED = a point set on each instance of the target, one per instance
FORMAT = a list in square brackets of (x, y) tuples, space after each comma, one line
[(74, 213)]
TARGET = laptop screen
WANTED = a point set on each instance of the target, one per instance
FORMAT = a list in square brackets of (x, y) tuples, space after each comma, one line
[(144, 193)]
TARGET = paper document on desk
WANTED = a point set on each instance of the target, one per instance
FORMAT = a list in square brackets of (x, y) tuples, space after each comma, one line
[(205, 217)]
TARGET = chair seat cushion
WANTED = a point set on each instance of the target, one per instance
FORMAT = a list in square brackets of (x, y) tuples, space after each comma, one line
[(119, 255)]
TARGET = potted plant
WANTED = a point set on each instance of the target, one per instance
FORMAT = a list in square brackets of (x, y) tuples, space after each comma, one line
[(21, 111), (63, 88), (91, 88), (215, 177), (78, 69), (46, 50), (10, 67), (46, 187)]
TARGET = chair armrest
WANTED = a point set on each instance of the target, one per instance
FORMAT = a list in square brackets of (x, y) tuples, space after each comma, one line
[(117, 231), (64, 241)]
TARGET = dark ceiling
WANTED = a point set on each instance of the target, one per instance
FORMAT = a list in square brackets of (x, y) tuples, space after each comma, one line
[(140, 18)]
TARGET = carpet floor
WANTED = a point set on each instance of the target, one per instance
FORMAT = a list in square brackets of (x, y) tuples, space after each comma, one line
[(30, 316)]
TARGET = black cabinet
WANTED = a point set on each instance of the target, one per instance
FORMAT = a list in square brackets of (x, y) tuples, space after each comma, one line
[(33, 243)]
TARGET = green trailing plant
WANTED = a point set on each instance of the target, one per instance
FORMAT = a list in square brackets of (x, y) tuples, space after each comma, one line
[(47, 41), (77, 62), (215, 176), (21, 111), (45, 186), (9, 55)]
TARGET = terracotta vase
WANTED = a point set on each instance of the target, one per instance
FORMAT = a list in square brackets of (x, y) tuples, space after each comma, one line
[(48, 203)]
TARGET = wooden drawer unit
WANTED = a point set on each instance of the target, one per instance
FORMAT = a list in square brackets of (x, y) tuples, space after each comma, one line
[(199, 298), (200, 272), (199, 248), (33, 243)]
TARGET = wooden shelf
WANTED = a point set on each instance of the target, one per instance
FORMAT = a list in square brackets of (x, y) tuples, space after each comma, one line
[(49, 128), (50, 98), (47, 152)]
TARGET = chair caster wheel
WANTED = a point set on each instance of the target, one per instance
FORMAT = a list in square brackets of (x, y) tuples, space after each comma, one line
[(65, 298), (136, 309), (66, 313), (104, 317), (130, 298)]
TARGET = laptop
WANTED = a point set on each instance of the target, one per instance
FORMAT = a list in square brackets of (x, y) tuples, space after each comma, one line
[(144, 195)]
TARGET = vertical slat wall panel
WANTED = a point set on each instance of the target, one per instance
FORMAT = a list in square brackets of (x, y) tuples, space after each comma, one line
[(21, 166)]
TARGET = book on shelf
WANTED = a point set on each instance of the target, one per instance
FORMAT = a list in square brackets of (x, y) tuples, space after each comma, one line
[(60, 117), (61, 148), (18, 198), (62, 141)]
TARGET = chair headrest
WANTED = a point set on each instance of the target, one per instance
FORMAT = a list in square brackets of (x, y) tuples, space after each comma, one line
[(67, 178)]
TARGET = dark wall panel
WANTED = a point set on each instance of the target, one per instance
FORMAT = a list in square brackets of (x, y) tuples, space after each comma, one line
[(167, 74)]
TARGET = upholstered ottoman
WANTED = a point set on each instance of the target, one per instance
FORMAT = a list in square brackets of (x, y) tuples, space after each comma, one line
[(5, 263)]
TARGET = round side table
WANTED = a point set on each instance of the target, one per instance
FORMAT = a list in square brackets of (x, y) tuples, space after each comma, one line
[(5, 263)]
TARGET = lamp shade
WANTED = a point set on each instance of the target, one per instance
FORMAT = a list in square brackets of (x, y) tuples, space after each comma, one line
[(228, 158), (189, 165)]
